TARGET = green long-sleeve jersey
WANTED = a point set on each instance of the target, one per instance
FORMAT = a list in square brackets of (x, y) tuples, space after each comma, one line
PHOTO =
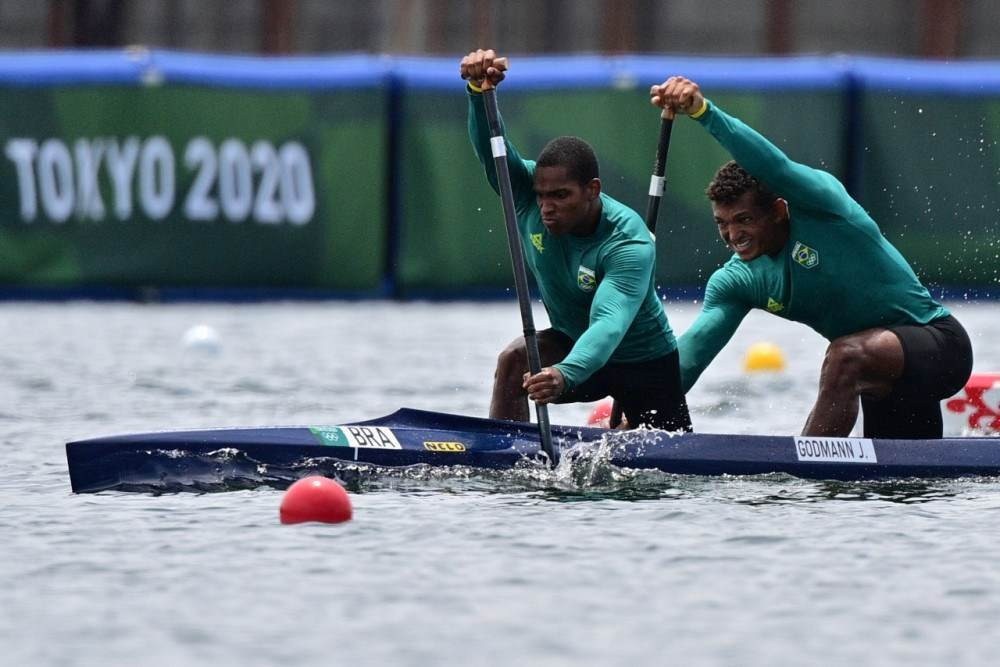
[(837, 273), (598, 289)]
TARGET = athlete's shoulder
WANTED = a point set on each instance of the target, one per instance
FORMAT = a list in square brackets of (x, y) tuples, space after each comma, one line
[(624, 219), (616, 210)]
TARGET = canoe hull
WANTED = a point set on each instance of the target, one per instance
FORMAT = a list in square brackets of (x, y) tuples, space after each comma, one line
[(201, 460)]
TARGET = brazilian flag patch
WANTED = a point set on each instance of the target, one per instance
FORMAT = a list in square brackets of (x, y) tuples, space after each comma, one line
[(805, 255)]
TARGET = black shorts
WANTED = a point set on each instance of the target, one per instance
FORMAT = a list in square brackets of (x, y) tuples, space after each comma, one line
[(937, 362), (649, 392)]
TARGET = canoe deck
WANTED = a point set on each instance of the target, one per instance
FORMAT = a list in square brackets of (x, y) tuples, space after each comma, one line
[(199, 459)]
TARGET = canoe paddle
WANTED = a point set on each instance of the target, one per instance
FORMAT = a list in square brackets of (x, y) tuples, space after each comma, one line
[(658, 182), (657, 186), (499, 150)]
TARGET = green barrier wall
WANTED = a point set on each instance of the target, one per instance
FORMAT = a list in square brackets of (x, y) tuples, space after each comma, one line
[(354, 175), (929, 173), (177, 185)]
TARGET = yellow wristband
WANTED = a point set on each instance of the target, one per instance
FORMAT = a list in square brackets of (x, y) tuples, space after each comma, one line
[(701, 112), (473, 87)]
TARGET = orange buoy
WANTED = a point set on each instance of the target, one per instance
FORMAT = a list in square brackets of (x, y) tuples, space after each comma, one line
[(315, 498)]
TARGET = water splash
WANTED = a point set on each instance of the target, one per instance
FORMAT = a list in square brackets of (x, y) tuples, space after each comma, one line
[(584, 472)]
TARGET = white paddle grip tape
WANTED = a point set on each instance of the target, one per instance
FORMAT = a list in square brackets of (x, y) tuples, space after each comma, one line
[(498, 147), (657, 184)]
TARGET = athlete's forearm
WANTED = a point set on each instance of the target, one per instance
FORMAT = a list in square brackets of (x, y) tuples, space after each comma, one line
[(616, 303), (704, 339), (694, 359), (799, 184), (590, 352), (479, 134), (594, 348)]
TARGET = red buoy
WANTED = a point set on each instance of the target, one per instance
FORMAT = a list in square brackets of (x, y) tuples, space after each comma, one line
[(600, 416), (315, 499), (976, 409)]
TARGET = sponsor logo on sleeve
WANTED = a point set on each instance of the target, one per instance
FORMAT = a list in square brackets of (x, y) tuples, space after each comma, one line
[(774, 306), (433, 446), (368, 437), (536, 240), (835, 450)]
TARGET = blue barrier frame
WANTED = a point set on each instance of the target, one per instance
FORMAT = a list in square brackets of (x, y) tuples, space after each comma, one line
[(853, 75)]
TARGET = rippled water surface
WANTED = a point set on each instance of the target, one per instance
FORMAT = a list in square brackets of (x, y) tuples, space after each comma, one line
[(454, 568)]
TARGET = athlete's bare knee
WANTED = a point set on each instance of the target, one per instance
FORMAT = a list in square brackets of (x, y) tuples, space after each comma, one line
[(842, 365), (865, 364), (512, 362)]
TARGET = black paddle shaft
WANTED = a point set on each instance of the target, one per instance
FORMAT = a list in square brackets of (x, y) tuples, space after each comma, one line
[(499, 150), (657, 186), (657, 182)]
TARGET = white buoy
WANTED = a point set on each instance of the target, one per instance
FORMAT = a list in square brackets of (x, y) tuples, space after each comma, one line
[(202, 338)]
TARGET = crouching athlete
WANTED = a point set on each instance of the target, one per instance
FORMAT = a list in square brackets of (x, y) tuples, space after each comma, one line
[(807, 252), (594, 263)]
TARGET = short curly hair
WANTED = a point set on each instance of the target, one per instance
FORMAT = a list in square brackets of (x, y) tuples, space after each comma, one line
[(732, 181), (573, 153)]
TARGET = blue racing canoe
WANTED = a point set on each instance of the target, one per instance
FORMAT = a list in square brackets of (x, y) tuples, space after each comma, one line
[(204, 459)]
